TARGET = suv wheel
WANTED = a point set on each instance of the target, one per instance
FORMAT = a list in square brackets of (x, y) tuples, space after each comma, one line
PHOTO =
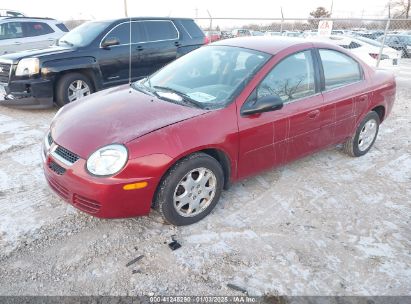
[(363, 139), (190, 190), (72, 87)]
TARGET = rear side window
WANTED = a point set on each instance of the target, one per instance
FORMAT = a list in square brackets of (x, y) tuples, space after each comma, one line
[(292, 78), (62, 27), (11, 30), (352, 45), (192, 28), (339, 69), (160, 30), (37, 29)]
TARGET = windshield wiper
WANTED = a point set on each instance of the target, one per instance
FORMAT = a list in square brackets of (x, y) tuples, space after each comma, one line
[(143, 88), (181, 94), (66, 42)]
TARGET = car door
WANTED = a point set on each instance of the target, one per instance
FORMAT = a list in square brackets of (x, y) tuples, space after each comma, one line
[(273, 138), (343, 83), (37, 35), (160, 47), (11, 37), (114, 61)]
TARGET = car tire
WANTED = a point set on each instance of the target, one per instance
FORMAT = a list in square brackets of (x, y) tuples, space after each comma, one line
[(365, 135), (175, 195), (64, 91)]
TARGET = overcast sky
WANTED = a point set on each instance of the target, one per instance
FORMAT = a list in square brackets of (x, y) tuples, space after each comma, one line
[(108, 9)]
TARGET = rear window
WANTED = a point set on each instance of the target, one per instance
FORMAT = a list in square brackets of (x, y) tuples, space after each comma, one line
[(62, 27), (160, 30), (192, 29), (37, 29)]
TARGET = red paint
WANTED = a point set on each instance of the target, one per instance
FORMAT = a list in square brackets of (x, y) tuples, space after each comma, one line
[(158, 133)]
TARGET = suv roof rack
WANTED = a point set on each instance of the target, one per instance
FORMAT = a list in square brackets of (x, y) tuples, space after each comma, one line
[(25, 17)]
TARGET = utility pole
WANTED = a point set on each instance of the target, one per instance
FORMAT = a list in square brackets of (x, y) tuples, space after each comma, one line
[(331, 9), (125, 8)]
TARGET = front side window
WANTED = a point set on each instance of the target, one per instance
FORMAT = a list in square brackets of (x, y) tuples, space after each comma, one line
[(160, 30), (11, 30), (291, 79), (121, 33), (339, 69)]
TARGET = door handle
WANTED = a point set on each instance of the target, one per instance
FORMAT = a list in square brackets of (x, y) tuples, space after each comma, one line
[(17, 43), (313, 114), (139, 48), (177, 43)]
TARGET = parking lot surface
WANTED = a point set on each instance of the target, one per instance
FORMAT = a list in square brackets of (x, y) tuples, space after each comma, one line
[(327, 224)]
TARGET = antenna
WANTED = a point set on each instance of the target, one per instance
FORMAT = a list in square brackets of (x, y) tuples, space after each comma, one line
[(129, 58)]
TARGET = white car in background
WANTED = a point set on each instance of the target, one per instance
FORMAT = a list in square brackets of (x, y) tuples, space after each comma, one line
[(25, 33), (366, 49)]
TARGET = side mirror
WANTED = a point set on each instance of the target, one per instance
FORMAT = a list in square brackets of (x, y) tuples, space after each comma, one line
[(265, 104), (110, 42)]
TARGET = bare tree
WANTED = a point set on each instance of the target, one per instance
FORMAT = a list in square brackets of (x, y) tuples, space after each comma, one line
[(400, 8)]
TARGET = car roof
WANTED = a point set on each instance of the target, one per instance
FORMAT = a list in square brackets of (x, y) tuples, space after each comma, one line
[(266, 44)]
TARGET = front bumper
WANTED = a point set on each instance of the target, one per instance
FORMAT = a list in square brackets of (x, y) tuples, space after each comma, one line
[(100, 197), (30, 94)]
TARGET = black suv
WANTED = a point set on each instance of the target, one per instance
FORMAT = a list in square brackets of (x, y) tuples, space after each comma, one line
[(94, 56)]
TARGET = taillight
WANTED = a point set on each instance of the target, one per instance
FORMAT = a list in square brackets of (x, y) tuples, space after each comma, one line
[(206, 40)]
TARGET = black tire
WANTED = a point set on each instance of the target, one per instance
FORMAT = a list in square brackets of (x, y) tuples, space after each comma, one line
[(62, 87), (164, 200), (351, 146)]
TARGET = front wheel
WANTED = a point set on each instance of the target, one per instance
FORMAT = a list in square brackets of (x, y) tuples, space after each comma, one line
[(363, 139), (72, 87), (190, 190)]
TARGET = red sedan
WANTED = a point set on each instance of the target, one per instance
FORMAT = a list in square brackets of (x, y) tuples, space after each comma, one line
[(175, 140)]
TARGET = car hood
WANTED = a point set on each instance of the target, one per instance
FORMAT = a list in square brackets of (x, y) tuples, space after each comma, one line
[(116, 115), (38, 53)]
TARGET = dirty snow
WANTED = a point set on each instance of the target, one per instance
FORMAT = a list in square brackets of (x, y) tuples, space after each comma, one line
[(327, 224)]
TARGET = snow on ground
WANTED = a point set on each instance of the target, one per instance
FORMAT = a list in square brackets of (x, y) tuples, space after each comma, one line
[(327, 224)]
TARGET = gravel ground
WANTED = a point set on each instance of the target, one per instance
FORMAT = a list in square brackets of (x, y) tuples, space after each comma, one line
[(327, 224)]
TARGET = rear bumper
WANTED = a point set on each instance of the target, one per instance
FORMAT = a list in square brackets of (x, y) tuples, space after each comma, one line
[(29, 94)]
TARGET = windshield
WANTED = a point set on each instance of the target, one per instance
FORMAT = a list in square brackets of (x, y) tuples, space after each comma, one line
[(83, 34), (209, 76)]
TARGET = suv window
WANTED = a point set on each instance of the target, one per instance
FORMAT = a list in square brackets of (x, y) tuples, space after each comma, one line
[(291, 79), (192, 29), (137, 32), (160, 30), (36, 29), (11, 30), (62, 27), (121, 32), (339, 69)]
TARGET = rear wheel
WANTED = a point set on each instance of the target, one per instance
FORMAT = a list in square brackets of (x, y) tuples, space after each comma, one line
[(72, 87), (190, 190), (363, 139)]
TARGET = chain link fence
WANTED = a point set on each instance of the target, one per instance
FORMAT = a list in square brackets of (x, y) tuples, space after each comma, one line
[(374, 29)]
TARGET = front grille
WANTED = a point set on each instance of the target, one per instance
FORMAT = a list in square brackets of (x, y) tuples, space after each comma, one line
[(59, 189), (66, 154), (56, 168), (4, 72), (86, 204)]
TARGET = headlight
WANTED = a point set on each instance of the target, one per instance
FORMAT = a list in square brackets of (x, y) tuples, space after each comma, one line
[(28, 67), (107, 160)]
